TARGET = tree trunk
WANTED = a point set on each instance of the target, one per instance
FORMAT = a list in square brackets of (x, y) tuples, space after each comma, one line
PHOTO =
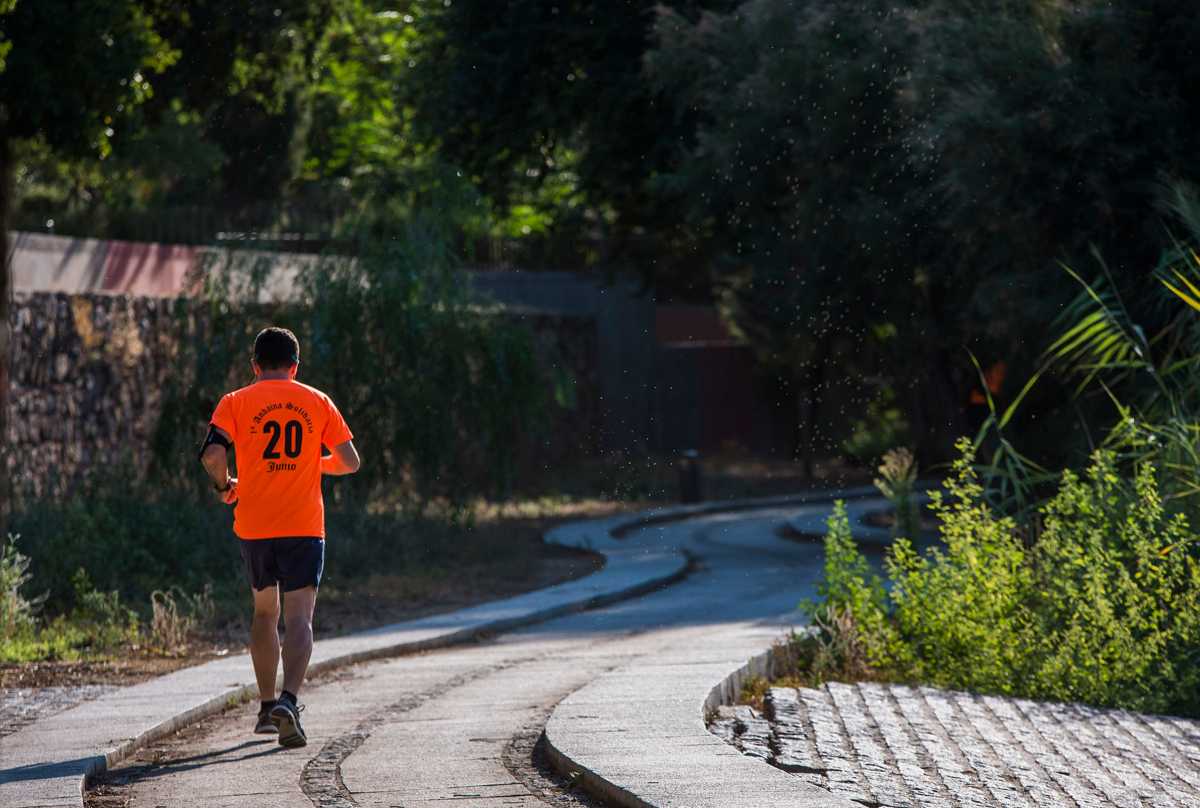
[(6, 190)]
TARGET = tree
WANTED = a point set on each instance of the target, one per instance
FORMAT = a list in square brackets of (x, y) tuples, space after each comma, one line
[(904, 179), (224, 130), (245, 68), (545, 108), (363, 153), (71, 70), (796, 178)]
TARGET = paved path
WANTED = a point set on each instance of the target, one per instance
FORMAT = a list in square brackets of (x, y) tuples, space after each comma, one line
[(43, 763), (621, 692), (22, 706), (446, 726)]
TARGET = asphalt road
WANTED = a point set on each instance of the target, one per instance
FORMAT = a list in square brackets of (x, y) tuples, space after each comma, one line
[(460, 724)]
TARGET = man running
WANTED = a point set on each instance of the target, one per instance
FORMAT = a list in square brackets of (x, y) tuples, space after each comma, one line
[(277, 428)]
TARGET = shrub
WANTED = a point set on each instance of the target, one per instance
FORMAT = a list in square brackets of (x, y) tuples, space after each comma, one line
[(17, 611), (133, 540), (1104, 609), (897, 482), (173, 621), (1115, 595), (956, 608), (106, 621), (852, 596), (447, 393)]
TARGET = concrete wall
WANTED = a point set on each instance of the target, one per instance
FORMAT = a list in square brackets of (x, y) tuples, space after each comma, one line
[(625, 343)]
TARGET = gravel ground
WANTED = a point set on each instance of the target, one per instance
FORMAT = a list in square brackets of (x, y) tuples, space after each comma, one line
[(905, 747), (24, 705)]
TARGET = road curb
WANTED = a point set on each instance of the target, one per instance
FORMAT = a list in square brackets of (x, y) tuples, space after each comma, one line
[(235, 696), (598, 535), (684, 732)]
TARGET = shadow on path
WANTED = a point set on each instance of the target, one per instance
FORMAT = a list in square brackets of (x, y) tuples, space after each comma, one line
[(216, 757), (45, 771)]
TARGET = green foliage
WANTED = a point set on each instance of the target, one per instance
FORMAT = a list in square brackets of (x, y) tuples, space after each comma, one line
[(1104, 609), (1134, 353), (17, 610), (923, 164), (1013, 482), (450, 386), (1115, 597), (850, 612), (882, 426), (125, 539), (957, 610), (848, 582), (75, 103), (164, 125), (98, 623), (6, 7), (445, 394), (107, 622), (575, 131), (897, 480)]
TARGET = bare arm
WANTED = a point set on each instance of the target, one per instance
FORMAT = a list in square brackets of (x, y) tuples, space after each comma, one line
[(342, 460)]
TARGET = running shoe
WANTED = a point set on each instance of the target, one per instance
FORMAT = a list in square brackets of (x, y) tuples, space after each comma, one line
[(286, 716), (265, 725)]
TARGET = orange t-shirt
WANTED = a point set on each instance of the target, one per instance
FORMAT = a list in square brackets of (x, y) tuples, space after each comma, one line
[(278, 427)]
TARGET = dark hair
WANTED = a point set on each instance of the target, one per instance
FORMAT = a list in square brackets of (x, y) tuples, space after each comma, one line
[(276, 348)]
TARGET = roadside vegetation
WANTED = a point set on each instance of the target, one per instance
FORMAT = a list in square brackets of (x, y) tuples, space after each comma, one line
[(872, 193), (164, 585), (1082, 585), (448, 400)]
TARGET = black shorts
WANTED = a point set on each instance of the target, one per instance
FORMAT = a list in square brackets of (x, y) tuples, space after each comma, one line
[(292, 563)]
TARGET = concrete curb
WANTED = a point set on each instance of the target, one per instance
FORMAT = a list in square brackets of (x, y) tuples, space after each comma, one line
[(724, 692), (805, 524), (597, 535), (596, 751), (238, 695)]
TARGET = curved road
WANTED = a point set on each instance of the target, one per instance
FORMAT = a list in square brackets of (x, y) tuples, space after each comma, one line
[(458, 724)]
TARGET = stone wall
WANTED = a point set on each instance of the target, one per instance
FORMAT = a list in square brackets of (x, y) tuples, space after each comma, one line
[(85, 379), (88, 371)]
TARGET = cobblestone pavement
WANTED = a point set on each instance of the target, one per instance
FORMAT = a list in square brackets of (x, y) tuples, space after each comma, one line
[(906, 747), (20, 706)]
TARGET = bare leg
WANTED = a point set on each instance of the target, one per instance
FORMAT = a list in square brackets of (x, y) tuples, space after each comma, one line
[(264, 640), (298, 606)]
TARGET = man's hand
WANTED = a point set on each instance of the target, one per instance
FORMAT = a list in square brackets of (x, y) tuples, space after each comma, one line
[(231, 496)]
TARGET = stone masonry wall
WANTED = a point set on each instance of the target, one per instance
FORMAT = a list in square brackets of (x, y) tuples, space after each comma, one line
[(88, 370), (85, 379)]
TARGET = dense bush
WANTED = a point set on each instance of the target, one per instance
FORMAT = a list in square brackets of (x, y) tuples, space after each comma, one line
[(129, 563), (1104, 608), (17, 610), (446, 396), (95, 621), (129, 540)]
